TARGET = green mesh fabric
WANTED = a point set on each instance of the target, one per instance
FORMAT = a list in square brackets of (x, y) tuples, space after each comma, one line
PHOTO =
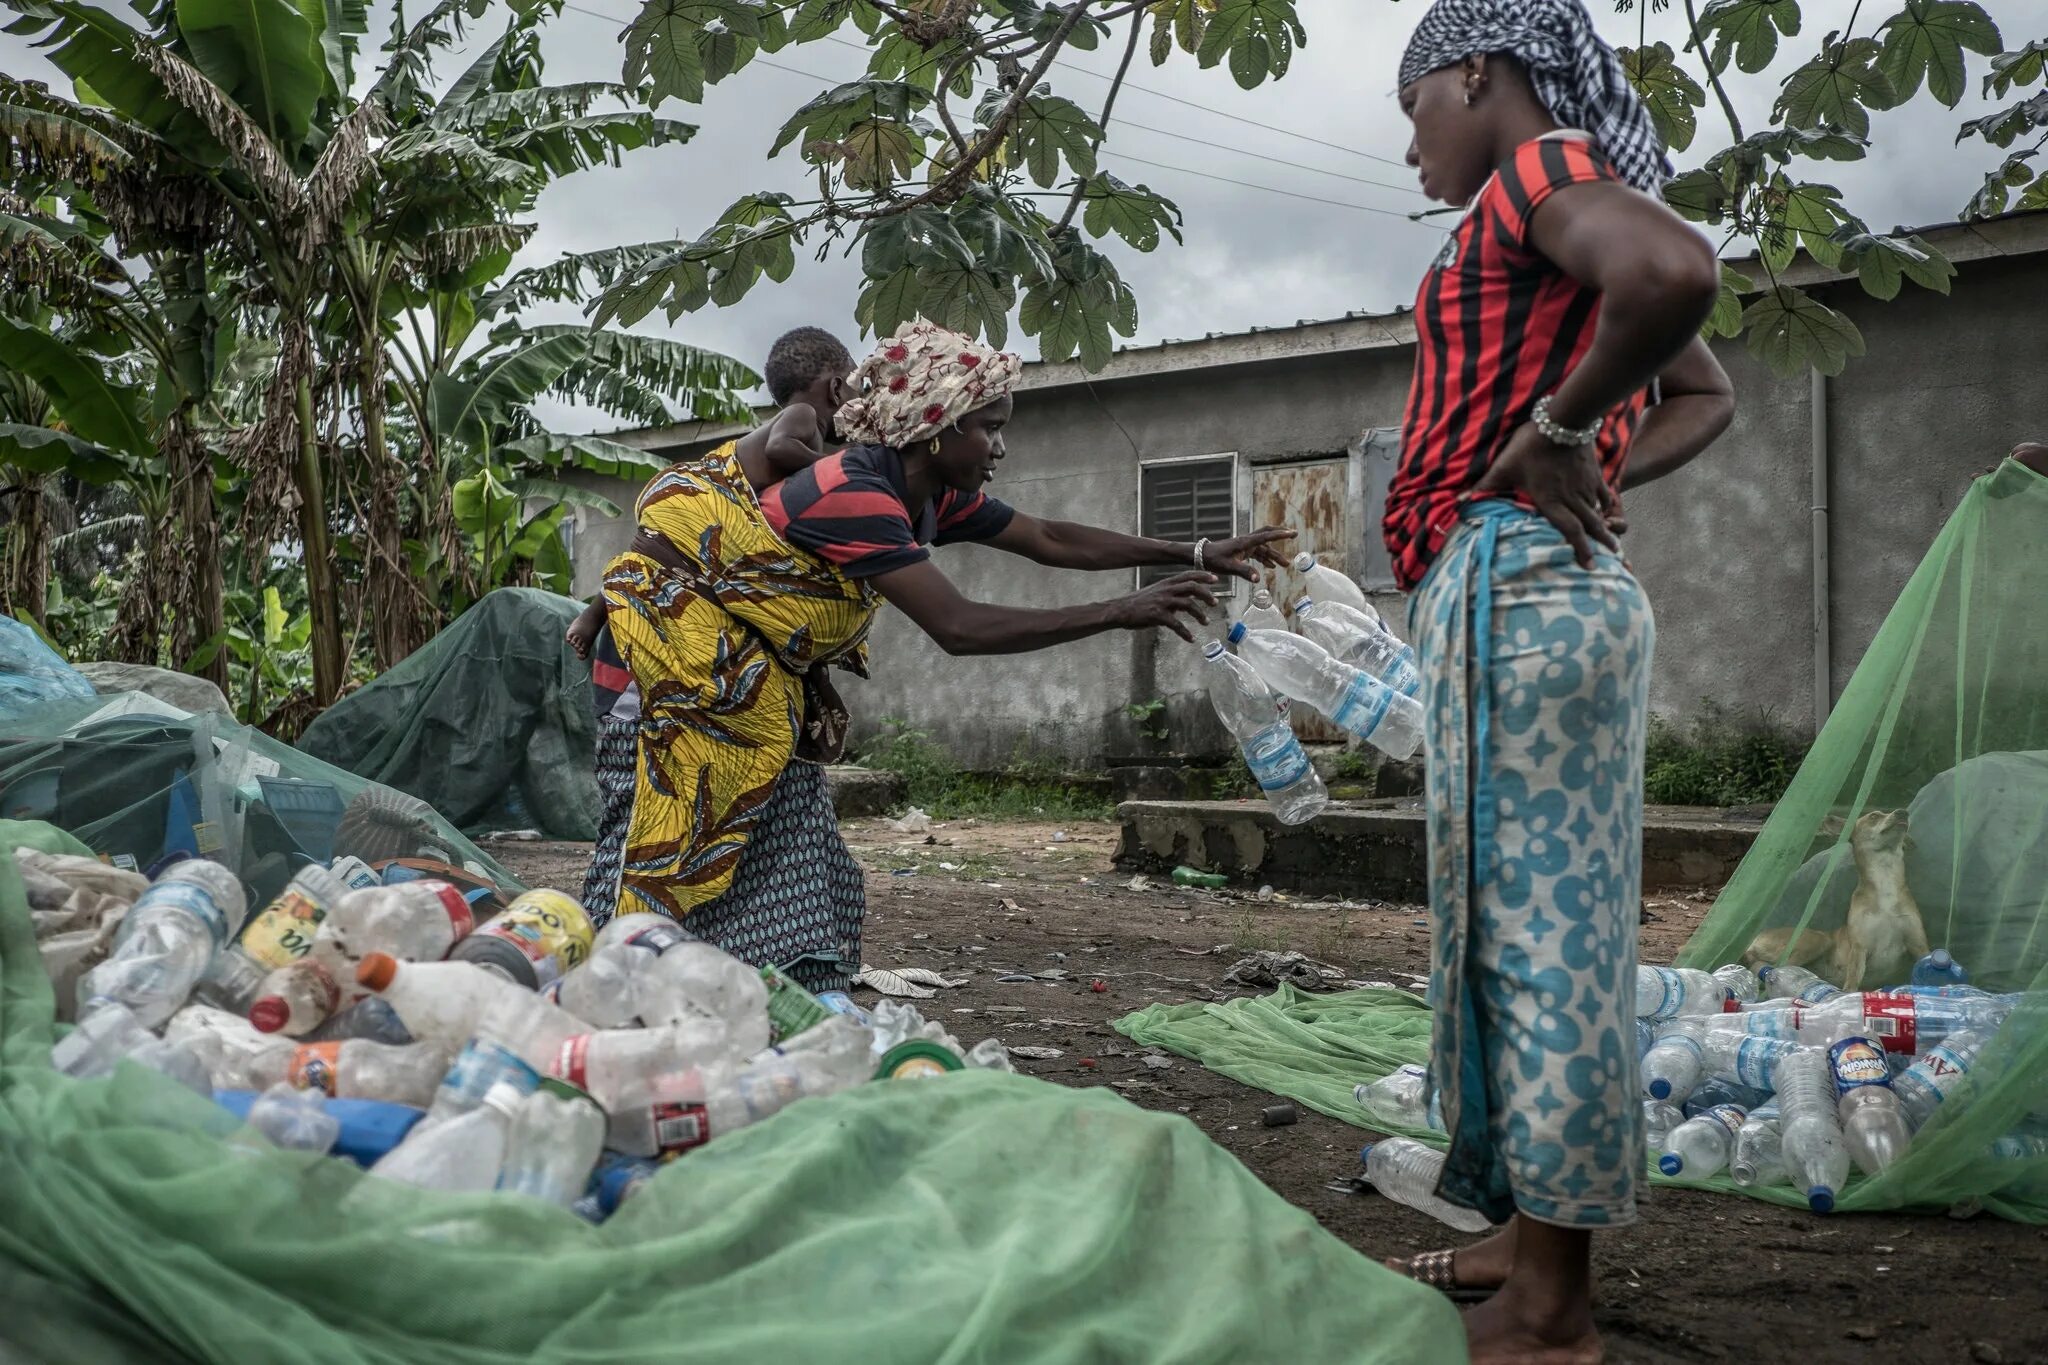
[(976, 1217), (491, 722)]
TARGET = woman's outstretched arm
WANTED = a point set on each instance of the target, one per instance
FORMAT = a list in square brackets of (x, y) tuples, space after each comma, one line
[(1073, 545), (961, 626)]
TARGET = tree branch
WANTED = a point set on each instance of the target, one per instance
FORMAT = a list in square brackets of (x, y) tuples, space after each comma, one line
[(1108, 104), (1692, 23)]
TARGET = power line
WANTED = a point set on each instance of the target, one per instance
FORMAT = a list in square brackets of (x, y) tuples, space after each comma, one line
[(1269, 189)]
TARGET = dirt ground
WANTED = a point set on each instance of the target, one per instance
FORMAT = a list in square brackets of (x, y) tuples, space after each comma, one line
[(1699, 1278)]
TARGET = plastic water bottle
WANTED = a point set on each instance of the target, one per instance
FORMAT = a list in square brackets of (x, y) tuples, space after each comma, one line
[(1754, 1062), (362, 1070), (1908, 1024), (276, 936), (413, 921), (616, 1065), (604, 991), (1925, 1085), (1407, 1172), (1873, 1121), (1262, 614), (1358, 638), (517, 1039), (1758, 1155), (167, 943), (1699, 1147), (1659, 1118), (1646, 1036), (553, 1144), (369, 1018), (1739, 982), (1719, 1090), (96, 1045), (1816, 1157), (1401, 1099), (1668, 992), (1674, 1064), (294, 1119), (464, 1153), (1796, 983), (1939, 969), (695, 983), (1355, 700), (1247, 709), (439, 1001), (1325, 584)]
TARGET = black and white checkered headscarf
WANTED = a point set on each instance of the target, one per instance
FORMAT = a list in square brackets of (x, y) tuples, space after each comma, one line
[(1576, 75)]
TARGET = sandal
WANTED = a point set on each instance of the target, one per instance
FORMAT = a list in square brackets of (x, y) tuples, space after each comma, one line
[(1437, 1269)]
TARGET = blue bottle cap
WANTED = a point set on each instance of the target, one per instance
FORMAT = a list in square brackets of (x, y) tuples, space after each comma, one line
[(1820, 1199), (1236, 632), (1365, 1151), (1671, 1163), (1660, 1089)]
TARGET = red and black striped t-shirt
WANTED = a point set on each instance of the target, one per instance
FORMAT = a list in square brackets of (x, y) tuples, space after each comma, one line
[(852, 509), (1497, 326)]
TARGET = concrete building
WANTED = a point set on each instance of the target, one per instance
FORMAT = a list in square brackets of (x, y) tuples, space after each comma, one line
[(1771, 561)]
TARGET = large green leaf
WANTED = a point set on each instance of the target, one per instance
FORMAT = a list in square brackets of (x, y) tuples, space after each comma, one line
[(1883, 264), (1927, 39), (41, 450), (1178, 23), (591, 454), (1726, 319), (465, 410), (1992, 197), (265, 56), (890, 300), (1791, 331), (528, 489), (1837, 89), (1670, 94), (97, 51), (102, 412), (2021, 66), (668, 43), (705, 384), (1258, 36), (969, 299), (1747, 29), (828, 117), (570, 278), (1047, 129), (2008, 125), (1135, 214)]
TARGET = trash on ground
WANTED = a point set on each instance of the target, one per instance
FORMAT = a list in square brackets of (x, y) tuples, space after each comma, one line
[(1266, 969), (1188, 876), (913, 983), (1036, 1054), (912, 821)]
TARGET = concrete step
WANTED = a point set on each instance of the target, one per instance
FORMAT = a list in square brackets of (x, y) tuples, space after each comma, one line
[(863, 791), (1378, 849)]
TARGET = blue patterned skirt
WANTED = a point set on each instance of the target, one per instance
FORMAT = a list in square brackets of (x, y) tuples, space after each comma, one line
[(616, 741), (1536, 677)]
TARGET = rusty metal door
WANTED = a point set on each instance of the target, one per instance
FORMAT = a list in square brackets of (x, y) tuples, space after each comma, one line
[(1309, 499)]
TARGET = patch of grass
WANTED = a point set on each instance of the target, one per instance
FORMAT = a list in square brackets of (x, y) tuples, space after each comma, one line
[(1246, 936), (1329, 941), (1720, 761), (1356, 765), (1031, 787)]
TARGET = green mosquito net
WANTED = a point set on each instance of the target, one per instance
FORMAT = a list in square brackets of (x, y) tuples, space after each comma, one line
[(1945, 720)]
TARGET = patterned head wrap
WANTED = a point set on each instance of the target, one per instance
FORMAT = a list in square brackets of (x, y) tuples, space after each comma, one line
[(921, 380), (1576, 75)]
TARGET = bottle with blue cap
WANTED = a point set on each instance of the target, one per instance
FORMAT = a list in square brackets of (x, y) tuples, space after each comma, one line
[(1938, 968), (1873, 1121), (1407, 1172), (1358, 638), (1816, 1158), (1279, 765), (1352, 698), (1699, 1147)]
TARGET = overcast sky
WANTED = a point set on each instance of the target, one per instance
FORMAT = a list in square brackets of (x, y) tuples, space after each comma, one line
[(1336, 240)]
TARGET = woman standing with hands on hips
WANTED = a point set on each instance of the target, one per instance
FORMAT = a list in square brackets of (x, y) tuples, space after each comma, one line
[(1558, 362)]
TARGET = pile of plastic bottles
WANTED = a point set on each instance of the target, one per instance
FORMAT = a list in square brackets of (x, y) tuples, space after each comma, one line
[(1341, 659), (384, 1025), (1776, 1077)]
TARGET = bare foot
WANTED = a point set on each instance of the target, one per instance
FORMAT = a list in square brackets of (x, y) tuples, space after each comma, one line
[(1508, 1330), (1483, 1265)]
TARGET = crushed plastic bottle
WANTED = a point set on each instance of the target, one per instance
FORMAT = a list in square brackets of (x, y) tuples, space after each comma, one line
[(1938, 968), (414, 921), (553, 1145), (1278, 763), (167, 943), (96, 1045), (1407, 1172), (604, 992), (464, 1153), (517, 1039), (1699, 1147), (1719, 1090), (294, 1119), (1926, 1085), (1659, 1118), (1815, 1155), (1795, 983), (1401, 1099), (1758, 1155), (1739, 982), (1668, 992), (1359, 639), (694, 982), (1873, 1121), (1355, 700)]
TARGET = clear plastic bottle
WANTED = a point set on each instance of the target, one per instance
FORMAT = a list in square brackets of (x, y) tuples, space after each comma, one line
[(1247, 709), (167, 943), (363, 1070), (464, 1153), (1939, 969), (1795, 983), (414, 921), (1325, 584), (1401, 1098), (604, 991), (439, 1001), (556, 1136), (1931, 1079), (1668, 992), (1754, 1062), (1758, 1155), (1739, 982), (294, 1119), (1407, 1172), (621, 928), (1910, 1024), (1646, 1036), (1262, 614), (1816, 1157), (1873, 1121), (1719, 1090), (695, 982), (368, 1018), (1699, 1147), (276, 936), (517, 1039), (1355, 700), (98, 1042), (1359, 639), (1675, 1063), (1659, 1118)]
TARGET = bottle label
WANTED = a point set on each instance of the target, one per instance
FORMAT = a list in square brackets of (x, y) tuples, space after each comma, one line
[(656, 938), (482, 1065), (572, 1061), (1729, 1116), (1943, 1067), (679, 1127), (283, 933), (791, 1008), (314, 1066), (1754, 1060), (552, 931), (192, 899), (461, 918), (1858, 1062), (1363, 706), (1893, 1020), (1276, 758)]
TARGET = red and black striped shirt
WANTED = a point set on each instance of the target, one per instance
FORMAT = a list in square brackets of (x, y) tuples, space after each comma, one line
[(1497, 327), (852, 509)]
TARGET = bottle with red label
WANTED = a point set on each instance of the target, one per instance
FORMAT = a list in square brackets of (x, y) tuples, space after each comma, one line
[(517, 1038), (1912, 1024), (604, 991), (1873, 1121), (536, 939), (413, 922)]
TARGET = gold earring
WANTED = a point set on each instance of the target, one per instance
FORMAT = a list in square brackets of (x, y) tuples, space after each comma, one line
[(935, 445)]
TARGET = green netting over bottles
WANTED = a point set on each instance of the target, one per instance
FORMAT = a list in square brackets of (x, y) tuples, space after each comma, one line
[(490, 721), (132, 777), (973, 1217), (1945, 719)]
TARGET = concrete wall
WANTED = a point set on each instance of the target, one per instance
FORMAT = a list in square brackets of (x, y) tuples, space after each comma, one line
[(1724, 547)]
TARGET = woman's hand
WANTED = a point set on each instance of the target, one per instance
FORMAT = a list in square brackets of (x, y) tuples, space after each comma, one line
[(1166, 602), (1563, 485), (1241, 556)]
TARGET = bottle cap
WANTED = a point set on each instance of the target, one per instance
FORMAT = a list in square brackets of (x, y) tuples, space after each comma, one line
[(1236, 632), (269, 1014), (504, 1098), (376, 971), (1660, 1089), (1304, 561), (1365, 1152), (1671, 1163), (1302, 607), (1213, 650), (916, 1058), (1820, 1199)]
